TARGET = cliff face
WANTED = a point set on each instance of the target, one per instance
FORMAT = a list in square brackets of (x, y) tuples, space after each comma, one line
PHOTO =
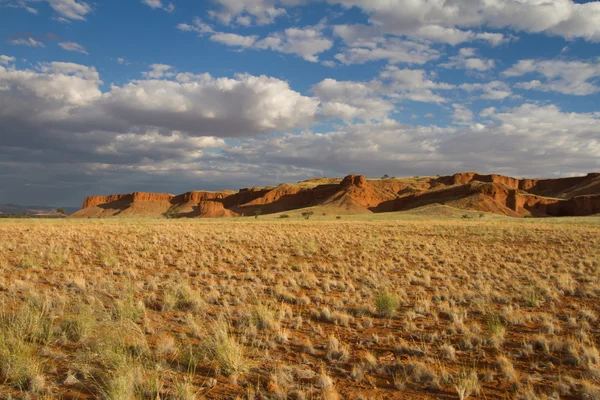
[(92, 201), (356, 194)]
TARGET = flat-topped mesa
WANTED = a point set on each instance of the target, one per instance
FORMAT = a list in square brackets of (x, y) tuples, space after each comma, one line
[(214, 209), (553, 186), (463, 178), (557, 185), (355, 194), (135, 197), (146, 196), (93, 201), (197, 196)]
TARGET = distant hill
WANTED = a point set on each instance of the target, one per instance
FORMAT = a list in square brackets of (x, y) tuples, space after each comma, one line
[(16, 209), (356, 194)]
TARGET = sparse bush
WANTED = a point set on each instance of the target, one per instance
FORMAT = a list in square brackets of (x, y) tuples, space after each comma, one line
[(467, 383), (224, 351), (307, 214), (183, 298), (386, 304)]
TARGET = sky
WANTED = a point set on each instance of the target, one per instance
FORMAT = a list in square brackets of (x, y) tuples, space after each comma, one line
[(116, 96)]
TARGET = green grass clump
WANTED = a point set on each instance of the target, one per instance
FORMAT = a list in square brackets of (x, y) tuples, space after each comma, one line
[(223, 349), (386, 304)]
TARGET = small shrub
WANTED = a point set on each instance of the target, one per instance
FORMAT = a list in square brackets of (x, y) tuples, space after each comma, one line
[(494, 325), (386, 304), (467, 383), (225, 351), (307, 214), (183, 298)]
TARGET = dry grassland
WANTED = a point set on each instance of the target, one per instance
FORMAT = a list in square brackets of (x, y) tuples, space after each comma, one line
[(294, 309)]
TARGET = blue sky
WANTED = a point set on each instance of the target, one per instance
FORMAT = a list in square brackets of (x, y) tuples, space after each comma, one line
[(150, 95)]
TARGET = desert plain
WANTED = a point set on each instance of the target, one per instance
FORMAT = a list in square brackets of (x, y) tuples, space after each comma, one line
[(436, 303)]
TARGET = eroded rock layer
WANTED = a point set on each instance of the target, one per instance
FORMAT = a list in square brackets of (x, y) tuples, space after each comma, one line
[(575, 196)]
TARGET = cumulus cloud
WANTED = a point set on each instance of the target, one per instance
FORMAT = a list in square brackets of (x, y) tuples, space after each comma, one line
[(70, 9), (197, 26), (494, 90), (221, 107), (467, 59), (526, 140), (349, 100), (564, 18), (376, 99), (248, 12), (461, 115), (306, 42), (413, 85), (67, 95), (232, 39), (170, 134), (56, 114), (72, 46), (67, 10), (30, 42), (394, 50), (168, 7), (5, 60), (568, 77), (158, 71)]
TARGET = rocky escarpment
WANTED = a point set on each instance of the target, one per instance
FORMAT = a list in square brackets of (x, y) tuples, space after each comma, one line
[(500, 194)]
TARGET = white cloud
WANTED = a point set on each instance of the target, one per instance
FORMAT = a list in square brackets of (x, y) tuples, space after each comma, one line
[(395, 50), (222, 107), (487, 112), (68, 95), (57, 117), (413, 85), (70, 9), (5, 60), (349, 100), (454, 36), (196, 26), (376, 99), (466, 60), (175, 145), (232, 39), (568, 77), (248, 12), (61, 85), (159, 71), (72, 46), (461, 115), (305, 42), (526, 140), (169, 7), (494, 90), (555, 17), (58, 123), (30, 42)]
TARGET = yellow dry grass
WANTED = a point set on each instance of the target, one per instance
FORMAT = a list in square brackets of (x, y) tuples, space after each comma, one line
[(396, 306)]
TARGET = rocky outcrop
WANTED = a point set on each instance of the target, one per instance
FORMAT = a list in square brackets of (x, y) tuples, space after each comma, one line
[(213, 209), (92, 201), (357, 194), (583, 205)]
